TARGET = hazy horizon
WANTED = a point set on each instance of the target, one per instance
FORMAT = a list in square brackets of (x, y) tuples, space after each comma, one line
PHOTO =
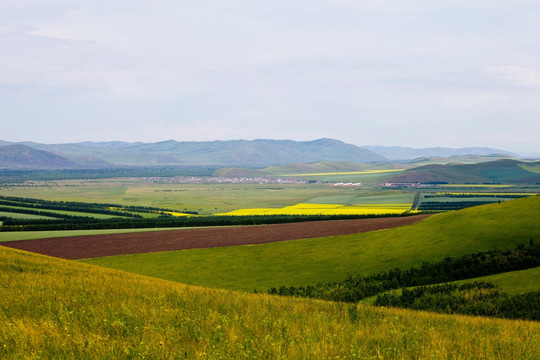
[(446, 74)]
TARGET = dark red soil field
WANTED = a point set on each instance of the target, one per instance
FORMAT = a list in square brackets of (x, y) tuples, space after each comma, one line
[(80, 247)]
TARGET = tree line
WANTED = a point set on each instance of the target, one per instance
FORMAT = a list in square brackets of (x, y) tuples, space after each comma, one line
[(449, 205)]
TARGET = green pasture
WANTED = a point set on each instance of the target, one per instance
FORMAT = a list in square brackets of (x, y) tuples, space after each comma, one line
[(533, 167), (24, 216), (31, 235), (304, 262), (513, 282)]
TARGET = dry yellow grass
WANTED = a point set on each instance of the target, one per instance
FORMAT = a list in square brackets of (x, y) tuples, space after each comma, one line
[(53, 309)]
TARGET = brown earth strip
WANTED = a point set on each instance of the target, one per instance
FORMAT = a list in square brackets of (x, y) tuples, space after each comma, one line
[(80, 247)]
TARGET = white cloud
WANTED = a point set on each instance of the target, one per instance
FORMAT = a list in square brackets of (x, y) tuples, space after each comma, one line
[(515, 75)]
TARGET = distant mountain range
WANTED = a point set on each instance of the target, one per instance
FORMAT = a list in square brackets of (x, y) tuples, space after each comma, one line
[(406, 153), (252, 153), (229, 153)]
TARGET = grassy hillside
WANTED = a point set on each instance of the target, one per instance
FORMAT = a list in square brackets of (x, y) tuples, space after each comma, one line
[(51, 308), (22, 156), (303, 262), (500, 171)]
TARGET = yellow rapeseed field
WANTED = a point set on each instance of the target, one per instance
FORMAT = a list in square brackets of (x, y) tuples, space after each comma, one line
[(325, 209)]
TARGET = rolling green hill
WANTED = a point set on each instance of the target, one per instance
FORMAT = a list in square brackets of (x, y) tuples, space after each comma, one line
[(57, 309), (22, 156), (499, 171), (303, 262), (402, 153)]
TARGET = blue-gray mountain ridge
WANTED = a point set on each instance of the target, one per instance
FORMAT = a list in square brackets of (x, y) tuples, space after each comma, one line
[(254, 153)]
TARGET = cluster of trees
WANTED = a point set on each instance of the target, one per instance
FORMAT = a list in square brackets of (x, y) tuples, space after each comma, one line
[(355, 288), (476, 298)]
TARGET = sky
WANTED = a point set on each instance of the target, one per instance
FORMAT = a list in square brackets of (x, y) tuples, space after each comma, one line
[(377, 72)]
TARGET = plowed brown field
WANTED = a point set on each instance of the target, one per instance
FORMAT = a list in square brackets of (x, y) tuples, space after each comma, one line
[(80, 247)]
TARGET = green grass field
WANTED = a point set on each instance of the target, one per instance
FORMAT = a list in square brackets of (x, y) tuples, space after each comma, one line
[(514, 282), (304, 262), (23, 216), (58, 309)]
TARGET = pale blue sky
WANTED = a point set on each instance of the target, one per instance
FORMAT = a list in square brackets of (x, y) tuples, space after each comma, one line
[(410, 73)]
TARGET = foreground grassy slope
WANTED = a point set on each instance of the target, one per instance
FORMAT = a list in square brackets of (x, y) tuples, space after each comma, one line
[(52, 308), (303, 262)]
